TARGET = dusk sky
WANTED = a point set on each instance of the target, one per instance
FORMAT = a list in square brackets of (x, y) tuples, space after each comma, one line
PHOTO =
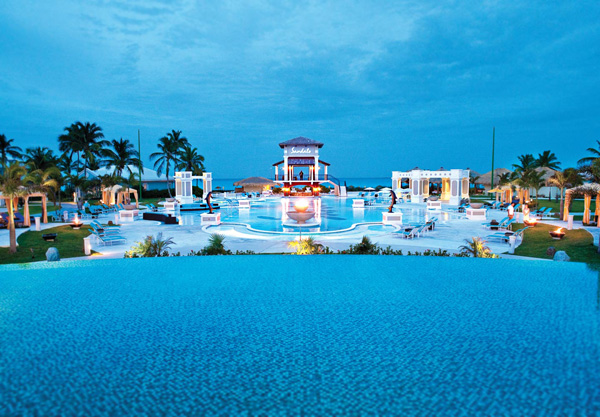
[(384, 85)]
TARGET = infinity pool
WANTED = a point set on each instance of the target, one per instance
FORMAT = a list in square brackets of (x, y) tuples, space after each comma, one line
[(335, 214), (292, 335)]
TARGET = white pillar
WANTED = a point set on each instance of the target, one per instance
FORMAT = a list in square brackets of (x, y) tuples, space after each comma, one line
[(570, 222), (417, 189), (87, 246), (512, 241), (38, 226), (455, 187)]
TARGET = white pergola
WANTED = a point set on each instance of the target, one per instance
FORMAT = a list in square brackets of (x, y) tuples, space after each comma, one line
[(183, 186), (455, 184)]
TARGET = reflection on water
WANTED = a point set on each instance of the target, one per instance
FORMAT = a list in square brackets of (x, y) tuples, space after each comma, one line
[(332, 213)]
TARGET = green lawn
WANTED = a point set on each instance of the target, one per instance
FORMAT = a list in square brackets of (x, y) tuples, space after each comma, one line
[(576, 205), (577, 243), (34, 209), (69, 243)]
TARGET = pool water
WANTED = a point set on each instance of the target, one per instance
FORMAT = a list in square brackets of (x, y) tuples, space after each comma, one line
[(293, 335), (335, 214)]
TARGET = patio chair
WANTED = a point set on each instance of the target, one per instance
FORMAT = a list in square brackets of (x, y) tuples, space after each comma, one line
[(104, 226), (488, 225), (88, 214), (547, 214), (505, 236), (110, 240), (507, 225), (538, 211)]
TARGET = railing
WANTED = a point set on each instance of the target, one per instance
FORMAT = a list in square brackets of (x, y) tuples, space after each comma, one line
[(321, 177)]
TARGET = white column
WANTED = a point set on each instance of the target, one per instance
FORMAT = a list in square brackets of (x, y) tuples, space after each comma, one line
[(285, 168), (455, 188), (417, 187)]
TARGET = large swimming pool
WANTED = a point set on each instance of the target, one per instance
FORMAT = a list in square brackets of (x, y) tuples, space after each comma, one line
[(334, 214), (291, 335)]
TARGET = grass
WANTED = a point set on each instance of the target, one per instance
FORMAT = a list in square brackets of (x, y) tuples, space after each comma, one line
[(576, 205), (579, 244), (69, 243), (34, 209)]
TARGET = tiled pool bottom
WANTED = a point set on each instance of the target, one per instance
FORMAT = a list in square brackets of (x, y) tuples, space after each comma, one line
[(286, 335)]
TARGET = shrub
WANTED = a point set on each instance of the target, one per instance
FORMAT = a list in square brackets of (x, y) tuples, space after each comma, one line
[(476, 248), (150, 247), (307, 246)]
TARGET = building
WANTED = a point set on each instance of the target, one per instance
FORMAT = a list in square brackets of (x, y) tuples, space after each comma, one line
[(302, 168), (150, 179)]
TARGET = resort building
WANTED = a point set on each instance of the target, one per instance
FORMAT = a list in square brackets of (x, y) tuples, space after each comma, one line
[(150, 179), (453, 184), (302, 168)]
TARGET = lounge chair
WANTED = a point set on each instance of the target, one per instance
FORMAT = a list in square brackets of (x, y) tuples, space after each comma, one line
[(104, 226), (489, 225), (412, 233), (88, 214), (505, 236), (507, 225), (110, 240), (547, 214), (538, 211)]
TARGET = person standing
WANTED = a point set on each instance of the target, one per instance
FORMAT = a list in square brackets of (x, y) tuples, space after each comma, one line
[(511, 211)]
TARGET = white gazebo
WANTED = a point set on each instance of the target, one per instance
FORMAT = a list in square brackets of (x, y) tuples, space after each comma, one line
[(183, 186), (455, 184)]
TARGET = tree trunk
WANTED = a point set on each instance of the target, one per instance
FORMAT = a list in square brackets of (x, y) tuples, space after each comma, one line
[(168, 188), (562, 204), (11, 227)]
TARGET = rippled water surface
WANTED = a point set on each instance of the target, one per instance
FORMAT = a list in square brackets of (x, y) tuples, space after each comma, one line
[(291, 335)]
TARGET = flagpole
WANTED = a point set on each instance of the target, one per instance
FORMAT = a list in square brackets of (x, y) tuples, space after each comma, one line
[(493, 148), (140, 162)]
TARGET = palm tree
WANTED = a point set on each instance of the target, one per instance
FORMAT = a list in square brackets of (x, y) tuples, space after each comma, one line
[(169, 147), (121, 156), (589, 159), (526, 162), (12, 186), (547, 159), (80, 185), (562, 180), (191, 160), (46, 181), (85, 138), (40, 158), (71, 143), (6, 150), (535, 180)]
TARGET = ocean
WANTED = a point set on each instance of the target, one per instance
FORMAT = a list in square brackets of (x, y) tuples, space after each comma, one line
[(227, 183)]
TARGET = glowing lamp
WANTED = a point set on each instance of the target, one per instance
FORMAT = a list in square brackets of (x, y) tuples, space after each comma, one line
[(76, 224)]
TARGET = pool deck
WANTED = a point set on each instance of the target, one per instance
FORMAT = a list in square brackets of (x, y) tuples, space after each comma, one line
[(448, 235)]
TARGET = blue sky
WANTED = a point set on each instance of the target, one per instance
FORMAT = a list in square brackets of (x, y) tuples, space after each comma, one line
[(385, 85)]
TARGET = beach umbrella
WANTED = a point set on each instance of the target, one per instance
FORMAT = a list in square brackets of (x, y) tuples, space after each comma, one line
[(495, 190), (385, 189), (369, 189)]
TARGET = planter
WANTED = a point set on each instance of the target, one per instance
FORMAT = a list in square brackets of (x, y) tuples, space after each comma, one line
[(476, 205), (49, 237)]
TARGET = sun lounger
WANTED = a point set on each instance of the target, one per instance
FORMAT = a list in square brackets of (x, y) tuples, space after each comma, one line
[(505, 236), (489, 225), (111, 240), (507, 225)]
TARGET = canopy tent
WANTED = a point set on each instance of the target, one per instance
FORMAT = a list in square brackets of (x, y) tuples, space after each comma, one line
[(255, 184), (588, 191), (26, 197), (119, 195), (124, 197)]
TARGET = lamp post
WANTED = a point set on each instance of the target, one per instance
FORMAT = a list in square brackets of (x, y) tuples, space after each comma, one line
[(140, 163), (493, 148)]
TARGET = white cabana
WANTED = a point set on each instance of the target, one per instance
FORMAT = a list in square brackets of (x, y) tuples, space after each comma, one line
[(455, 184)]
